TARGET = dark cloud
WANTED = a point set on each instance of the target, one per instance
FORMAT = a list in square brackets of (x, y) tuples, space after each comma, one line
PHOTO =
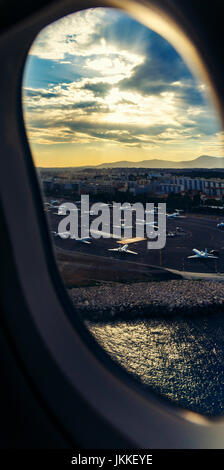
[(156, 76), (121, 30), (90, 107), (129, 134), (162, 65), (87, 107), (37, 94), (112, 135), (123, 101), (99, 89)]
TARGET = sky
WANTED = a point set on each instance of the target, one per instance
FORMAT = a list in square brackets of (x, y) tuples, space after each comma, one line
[(100, 87)]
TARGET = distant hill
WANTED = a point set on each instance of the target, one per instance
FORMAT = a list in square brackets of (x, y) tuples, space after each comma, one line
[(204, 161)]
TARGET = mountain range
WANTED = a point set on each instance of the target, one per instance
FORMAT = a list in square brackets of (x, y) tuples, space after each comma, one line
[(204, 161)]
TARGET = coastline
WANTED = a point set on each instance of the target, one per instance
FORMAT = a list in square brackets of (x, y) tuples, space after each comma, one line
[(117, 301)]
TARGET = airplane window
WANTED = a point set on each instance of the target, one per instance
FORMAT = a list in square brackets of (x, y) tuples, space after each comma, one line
[(128, 150)]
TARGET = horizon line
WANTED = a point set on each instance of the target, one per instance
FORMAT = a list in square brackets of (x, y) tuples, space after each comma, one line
[(133, 162)]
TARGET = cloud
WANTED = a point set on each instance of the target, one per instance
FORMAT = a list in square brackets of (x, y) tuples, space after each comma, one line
[(68, 36), (103, 113), (38, 94), (99, 89), (100, 77)]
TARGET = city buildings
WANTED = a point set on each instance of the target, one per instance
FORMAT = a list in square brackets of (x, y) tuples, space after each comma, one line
[(136, 181)]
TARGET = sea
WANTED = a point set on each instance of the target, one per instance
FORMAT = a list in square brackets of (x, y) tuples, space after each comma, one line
[(181, 359)]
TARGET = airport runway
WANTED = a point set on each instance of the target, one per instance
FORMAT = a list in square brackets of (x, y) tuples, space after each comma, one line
[(198, 232)]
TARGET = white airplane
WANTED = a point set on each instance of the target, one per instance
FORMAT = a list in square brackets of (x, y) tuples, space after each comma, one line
[(90, 212), (54, 201), (66, 235), (82, 240), (174, 215), (153, 211), (60, 234), (150, 211), (202, 254), (105, 204), (54, 204), (61, 210), (143, 222), (123, 249)]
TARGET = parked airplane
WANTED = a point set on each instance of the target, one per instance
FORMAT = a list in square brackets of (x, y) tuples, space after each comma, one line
[(54, 201), (61, 209), (220, 225), (90, 212), (123, 249), (66, 235), (105, 204), (175, 215), (54, 204), (82, 240), (151, 211), (179, 229), (143, 222), (171, 234), (60, 234), (202, 254), (58, 213)]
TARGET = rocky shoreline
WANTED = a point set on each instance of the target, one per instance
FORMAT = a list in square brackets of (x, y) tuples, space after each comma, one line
[(111, 301)]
